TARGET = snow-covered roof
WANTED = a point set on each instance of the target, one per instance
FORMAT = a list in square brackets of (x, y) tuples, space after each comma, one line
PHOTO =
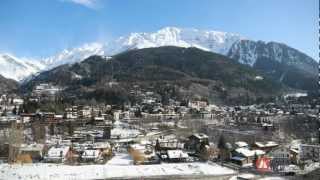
[(267, 125), (295, 150), (99, 118), (259, 152), (56, 151), (31, 147), (90, 153), (139, 147), (266, 144), (200, 135), (123, 132), (241, 144), (103, 145), (58, 116), (173, 154), (248, 153)]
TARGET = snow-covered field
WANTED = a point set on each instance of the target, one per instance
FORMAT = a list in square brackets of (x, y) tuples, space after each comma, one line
[(118, 167), (252, 176)]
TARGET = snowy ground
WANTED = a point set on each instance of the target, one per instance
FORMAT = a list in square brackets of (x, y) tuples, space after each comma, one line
[(118, 167), (121, 160), (121, 130), (252, 176)]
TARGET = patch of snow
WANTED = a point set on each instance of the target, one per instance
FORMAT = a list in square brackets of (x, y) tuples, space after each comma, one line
[(297, 95), (121, 159), (312, 167), (57, 171)]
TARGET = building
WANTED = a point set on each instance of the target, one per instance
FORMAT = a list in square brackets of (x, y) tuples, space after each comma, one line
[(143, 154), (168, 144), (245, 156), (35, 151), (195, 142), (280, 158), (177, 156), (241, 144), (310, 152), (91, 155), (265, 146), (198, 105), (57, 154)]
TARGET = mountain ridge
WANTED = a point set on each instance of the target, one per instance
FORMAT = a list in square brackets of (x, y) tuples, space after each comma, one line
[(214, 41), (182, 68), (279, 61)]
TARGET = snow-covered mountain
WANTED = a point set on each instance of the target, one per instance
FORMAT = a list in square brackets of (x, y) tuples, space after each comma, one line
[(215, 41), (278, 61), (17, 69), (70, 56), (256, 53), (243, 50)]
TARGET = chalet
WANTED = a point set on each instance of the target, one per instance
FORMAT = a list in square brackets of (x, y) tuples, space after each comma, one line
[(27, 117), (177, 156), (294, 155), (84, 112), (265, 146), (143, 154), (195, 141), (245, 156), (35, 151), (72, 156), (99, 120), (168, 144), (267, 126), (117, 115), (280, 157), (58, 118), (241, 144), (57, 154), (17, 101), (49, 117), (279, 152), (105, 149), (310, 152), (198, 105), (91, 155)]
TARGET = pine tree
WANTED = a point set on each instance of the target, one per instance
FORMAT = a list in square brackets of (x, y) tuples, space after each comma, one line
[(14, 110), (255, 159), (224, 151), (51, 129), (70, 128), (222, 142)]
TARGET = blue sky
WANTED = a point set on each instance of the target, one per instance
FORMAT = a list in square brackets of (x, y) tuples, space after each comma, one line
[(39, 28)]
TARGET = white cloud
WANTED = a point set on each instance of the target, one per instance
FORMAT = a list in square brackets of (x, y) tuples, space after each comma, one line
[(93, 4)]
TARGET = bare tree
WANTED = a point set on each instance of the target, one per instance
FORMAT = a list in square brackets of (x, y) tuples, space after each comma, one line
[(15, 141)]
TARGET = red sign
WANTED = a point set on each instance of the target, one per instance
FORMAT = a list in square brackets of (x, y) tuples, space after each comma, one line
[(263, 164)]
